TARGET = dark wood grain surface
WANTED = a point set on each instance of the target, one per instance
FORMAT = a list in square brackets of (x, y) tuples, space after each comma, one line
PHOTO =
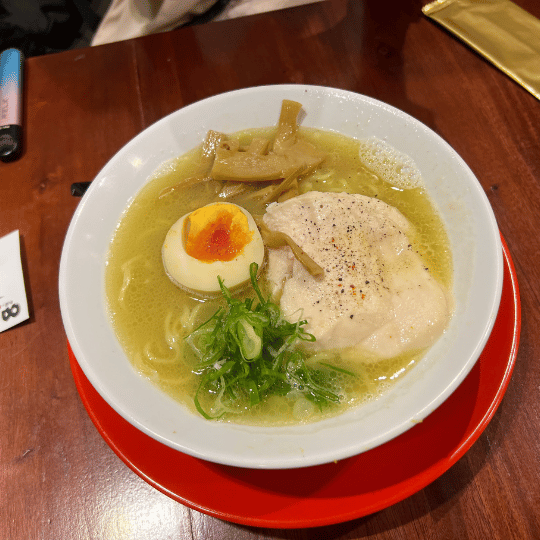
[(58, 478)]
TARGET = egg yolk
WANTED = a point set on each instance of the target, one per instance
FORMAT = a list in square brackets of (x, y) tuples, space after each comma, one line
[(217, 232)]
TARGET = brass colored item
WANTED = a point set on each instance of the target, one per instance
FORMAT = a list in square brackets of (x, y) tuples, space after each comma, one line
[(499, 30)]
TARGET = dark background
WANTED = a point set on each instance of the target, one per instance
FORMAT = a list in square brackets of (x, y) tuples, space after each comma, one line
[(38, 27)]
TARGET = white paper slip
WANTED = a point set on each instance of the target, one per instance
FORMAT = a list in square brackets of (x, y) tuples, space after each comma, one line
[(13, 303)]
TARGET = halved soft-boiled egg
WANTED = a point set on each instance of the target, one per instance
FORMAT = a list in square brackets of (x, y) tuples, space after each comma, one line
[(219, 239)]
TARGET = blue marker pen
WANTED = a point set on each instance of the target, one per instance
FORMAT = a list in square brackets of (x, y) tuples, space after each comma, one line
[(11, 81)]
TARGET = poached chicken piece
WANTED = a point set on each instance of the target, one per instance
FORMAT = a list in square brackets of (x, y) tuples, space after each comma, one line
[(375, 292)]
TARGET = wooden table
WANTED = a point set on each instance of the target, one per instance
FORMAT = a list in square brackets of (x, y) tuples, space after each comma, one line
[(58, 478)]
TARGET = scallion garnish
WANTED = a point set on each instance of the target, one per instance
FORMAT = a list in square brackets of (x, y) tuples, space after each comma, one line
[(247, 352)]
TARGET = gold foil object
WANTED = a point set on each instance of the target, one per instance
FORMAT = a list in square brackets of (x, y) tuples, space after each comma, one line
[(499, 30)]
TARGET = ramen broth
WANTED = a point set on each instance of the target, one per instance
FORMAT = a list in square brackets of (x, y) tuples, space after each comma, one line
[(151, 316)]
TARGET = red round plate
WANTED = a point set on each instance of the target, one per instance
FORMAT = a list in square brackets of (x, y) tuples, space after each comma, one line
[(335, 492)]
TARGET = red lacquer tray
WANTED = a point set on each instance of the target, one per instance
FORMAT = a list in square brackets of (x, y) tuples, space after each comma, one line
[(336, 492)]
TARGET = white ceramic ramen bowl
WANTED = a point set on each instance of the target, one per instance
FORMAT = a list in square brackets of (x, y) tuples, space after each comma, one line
[(478, 271)]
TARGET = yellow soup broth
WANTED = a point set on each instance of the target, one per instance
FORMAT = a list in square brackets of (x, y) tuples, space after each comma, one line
[(151, 316)]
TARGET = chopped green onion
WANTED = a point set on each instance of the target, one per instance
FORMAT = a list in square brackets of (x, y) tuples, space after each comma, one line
[(247, 352), (249, 339)]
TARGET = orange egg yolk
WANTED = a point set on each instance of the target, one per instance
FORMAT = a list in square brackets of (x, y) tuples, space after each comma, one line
[(217, 232)]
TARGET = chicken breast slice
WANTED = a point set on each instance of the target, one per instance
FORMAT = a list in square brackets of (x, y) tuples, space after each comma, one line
[(375, 292)]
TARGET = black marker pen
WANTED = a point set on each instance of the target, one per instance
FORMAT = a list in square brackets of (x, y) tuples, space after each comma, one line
[(11, 81)]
